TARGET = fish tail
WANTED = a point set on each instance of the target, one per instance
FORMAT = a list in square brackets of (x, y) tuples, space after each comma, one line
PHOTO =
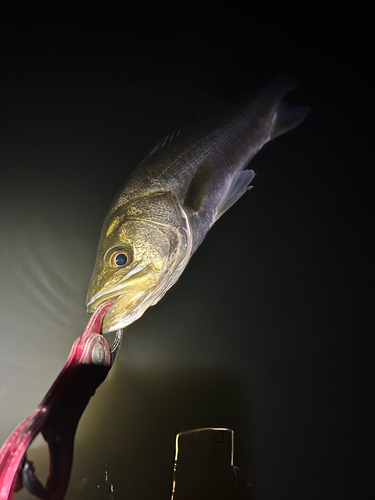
[(287, 117)]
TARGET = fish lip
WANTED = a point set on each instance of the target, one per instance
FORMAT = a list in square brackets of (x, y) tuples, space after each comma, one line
[(107, 293), (101, 299), (118, 286), (117, 289)]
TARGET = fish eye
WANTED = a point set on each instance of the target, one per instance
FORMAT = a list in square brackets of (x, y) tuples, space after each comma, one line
[(118, 257)]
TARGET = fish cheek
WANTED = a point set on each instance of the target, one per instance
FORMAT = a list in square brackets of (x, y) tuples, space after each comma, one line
[(158, 253), (150, 243)]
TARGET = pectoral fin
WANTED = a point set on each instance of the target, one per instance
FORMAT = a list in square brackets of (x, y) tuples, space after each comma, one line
[(198, 187), (236, 188)]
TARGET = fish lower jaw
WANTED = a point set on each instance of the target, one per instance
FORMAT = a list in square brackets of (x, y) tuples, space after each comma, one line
[(113, 322)]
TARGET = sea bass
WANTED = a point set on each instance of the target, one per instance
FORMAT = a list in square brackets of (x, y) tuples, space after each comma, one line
[(174, 197)]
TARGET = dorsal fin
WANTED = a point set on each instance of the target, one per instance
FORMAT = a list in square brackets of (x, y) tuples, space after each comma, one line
[(287, 117), (167, 139), (198, 187)]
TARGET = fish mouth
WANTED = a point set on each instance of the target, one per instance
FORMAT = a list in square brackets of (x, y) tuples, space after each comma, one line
[(106, 296), (96, 301), (140, 284), (125, 307)]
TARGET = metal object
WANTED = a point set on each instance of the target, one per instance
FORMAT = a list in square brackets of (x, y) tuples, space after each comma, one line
[(204, 467), (116, 345), (57, 416)]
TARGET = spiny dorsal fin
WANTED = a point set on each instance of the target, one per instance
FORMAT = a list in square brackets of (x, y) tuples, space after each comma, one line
[(198, 187), (235, 189), (167, 139), (287, 117)]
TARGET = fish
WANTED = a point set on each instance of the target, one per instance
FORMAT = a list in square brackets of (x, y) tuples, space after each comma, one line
[(175, 195)]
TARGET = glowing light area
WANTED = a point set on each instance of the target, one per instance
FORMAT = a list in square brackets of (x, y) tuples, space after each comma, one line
[(267, 330)]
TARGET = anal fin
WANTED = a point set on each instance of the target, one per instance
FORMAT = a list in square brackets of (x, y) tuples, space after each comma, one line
[(236, 188)]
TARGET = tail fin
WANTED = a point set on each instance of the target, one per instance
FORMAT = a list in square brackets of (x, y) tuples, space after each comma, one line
[(287, 117)]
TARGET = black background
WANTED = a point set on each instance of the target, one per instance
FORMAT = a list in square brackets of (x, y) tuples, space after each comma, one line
[(268, 331)]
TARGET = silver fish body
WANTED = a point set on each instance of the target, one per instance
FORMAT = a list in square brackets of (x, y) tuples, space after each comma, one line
[(175, 196)]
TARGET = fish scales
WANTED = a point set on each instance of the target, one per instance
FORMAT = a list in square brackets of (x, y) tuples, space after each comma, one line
[(173, 198)]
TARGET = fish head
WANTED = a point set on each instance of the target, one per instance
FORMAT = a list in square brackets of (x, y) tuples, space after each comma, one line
[(143, 245)]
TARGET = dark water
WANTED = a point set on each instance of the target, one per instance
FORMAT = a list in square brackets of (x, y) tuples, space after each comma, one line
[(268, 330)]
